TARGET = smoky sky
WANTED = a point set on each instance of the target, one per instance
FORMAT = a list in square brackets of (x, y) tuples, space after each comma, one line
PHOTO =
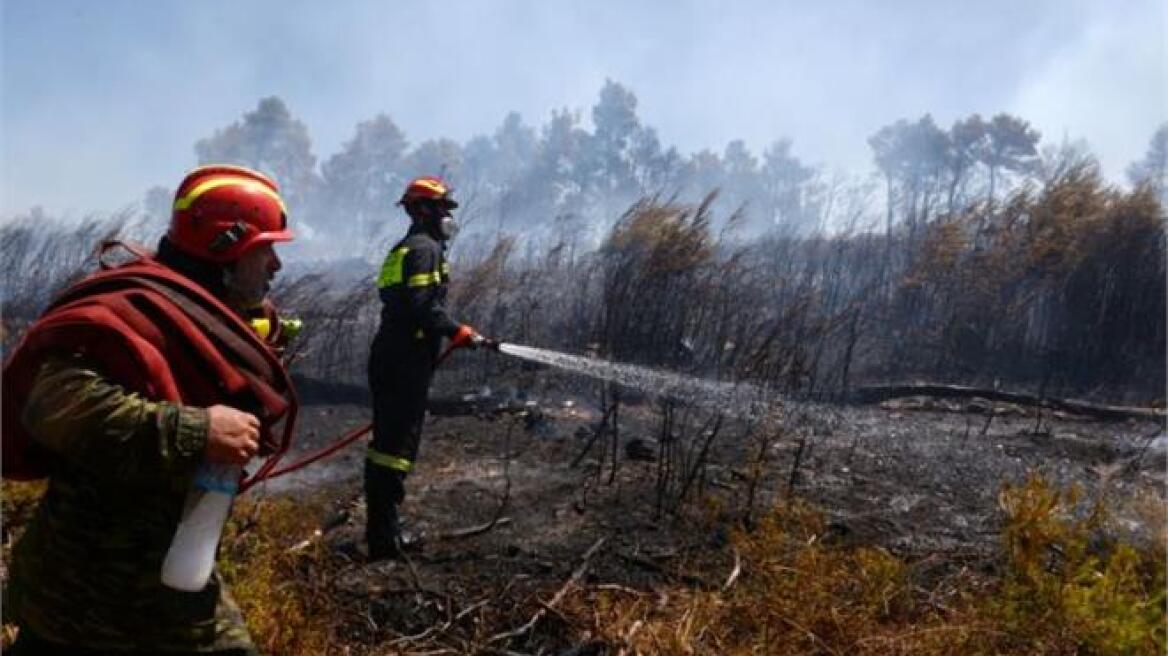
[(101, 100)]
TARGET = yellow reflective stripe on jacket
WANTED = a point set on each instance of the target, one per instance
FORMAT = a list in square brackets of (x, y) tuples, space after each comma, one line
[(388, 461), (214, 183), (446, 268), (391, 270), (424, 279)]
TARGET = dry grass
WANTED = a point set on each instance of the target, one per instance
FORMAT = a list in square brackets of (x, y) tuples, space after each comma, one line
[(1061, 586), (18, 502), (274, 565)]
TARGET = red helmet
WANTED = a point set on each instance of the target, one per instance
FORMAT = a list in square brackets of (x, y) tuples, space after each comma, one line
[(221, 211), (428, 188)]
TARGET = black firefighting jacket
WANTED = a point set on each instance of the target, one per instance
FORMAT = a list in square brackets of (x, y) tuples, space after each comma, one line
[(412, 285)]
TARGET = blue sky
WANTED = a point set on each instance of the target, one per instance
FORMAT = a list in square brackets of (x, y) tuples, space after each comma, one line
[(101, 100)]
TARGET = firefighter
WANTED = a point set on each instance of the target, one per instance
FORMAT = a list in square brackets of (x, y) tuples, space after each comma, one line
[(412, 286), (130, 380)]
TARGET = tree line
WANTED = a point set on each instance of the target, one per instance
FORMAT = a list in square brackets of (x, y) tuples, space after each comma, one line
[(976, 253), (574, 174)]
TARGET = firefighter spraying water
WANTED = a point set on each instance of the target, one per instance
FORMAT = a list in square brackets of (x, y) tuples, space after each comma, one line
[(412, 288)]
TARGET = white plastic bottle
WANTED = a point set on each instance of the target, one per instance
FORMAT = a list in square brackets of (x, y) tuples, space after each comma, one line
[(191, 557)]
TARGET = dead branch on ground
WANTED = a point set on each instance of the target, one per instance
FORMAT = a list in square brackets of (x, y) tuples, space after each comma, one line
[(559, 596)]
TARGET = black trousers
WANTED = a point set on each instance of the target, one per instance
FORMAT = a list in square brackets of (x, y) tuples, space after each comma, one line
[(400, 371)]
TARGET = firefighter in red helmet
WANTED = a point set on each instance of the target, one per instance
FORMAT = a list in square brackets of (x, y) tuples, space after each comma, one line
[(412, 286), (118, 393)]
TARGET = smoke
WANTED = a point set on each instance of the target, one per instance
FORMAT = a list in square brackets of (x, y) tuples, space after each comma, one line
[(1120, 57), (126, 89)]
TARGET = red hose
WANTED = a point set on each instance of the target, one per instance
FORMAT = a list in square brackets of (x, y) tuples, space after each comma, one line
[(323, 452)]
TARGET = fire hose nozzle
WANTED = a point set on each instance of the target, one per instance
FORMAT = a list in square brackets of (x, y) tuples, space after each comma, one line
[(468, 337)]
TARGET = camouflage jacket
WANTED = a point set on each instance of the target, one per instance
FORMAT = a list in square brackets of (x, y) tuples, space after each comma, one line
[(86, 571)]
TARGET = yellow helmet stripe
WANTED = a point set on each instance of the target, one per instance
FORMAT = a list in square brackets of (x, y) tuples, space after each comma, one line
[(214, 183), (431, 185)]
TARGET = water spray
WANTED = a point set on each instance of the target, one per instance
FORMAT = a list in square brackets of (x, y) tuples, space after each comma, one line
[(733, 398)]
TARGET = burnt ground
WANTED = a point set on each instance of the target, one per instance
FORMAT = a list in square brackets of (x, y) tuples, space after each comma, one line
[(918, 477)]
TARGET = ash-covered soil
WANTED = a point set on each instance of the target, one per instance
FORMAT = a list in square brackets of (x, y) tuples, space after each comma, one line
[(918, 477)]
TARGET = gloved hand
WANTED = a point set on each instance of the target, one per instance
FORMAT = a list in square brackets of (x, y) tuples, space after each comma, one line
[(468, 337)]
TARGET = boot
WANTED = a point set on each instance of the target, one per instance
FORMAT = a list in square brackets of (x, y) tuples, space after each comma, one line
[(384, 491), (399, 540), (385, 543), (382, 495), (410, 541)]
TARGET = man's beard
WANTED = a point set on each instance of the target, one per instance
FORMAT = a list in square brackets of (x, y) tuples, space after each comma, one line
[(245, 294)]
